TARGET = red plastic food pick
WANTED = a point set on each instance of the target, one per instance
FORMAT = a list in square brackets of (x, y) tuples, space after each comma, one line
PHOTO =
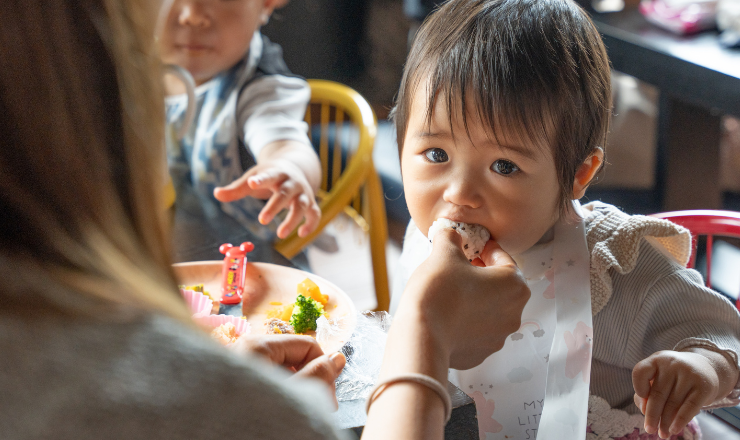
[(234, 268)]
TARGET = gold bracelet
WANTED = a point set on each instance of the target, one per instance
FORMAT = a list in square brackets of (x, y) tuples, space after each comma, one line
[(421, 379)]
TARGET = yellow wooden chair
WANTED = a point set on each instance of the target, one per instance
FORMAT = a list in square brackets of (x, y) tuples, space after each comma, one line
[(350, 183)]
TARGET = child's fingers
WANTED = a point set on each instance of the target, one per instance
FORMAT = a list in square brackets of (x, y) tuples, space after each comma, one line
[(640, 403), (659, 393), (280, 199), (312, 214), (268, 179), (672, 406), (294, 217), (690, 408), (238, 189), (642, 374)]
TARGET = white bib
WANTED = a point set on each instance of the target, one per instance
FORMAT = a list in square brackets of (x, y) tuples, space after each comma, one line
[(537, 386)]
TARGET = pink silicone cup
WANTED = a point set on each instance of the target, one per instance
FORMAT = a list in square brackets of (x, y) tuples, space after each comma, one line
[(198, 303), (213, 321)]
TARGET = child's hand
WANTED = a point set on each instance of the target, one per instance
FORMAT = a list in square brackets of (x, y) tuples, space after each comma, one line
[(286, 186), (671, 387)]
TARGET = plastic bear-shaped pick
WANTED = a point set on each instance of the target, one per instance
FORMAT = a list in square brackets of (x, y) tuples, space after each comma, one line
[(234, 268)]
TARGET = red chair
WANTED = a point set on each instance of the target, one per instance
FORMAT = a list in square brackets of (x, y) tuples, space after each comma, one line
[(708, 223)]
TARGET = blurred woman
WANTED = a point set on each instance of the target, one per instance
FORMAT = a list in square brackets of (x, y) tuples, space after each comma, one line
[(95, 340)]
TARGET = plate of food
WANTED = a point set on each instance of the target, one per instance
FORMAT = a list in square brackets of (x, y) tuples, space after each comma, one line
[(277, 299)]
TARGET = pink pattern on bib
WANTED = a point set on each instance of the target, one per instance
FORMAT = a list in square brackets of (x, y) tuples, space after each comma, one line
[(549, 292), (579, 351), (486, 422)]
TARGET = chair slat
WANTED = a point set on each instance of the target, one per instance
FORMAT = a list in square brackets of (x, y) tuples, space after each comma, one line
[(336, 168), (357, 202), (324, 144), (710, 243)]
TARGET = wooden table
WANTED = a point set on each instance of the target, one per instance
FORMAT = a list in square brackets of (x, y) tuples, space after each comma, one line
[(699, 81)]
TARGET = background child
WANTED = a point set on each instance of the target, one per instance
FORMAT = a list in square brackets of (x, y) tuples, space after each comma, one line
[(501, 121), (249, 117)]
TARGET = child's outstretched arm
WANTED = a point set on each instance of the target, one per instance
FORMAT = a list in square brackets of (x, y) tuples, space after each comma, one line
[(671, 387), (287, 173)]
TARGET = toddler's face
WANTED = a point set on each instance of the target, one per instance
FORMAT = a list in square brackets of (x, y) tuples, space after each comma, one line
[(209, 36), (510, 188)]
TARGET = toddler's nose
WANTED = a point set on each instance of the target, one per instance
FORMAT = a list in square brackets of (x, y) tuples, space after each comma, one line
[(193, 14), (463, 192)]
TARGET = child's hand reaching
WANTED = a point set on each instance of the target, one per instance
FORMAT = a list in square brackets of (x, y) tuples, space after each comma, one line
[(671, 387), (286, 186)]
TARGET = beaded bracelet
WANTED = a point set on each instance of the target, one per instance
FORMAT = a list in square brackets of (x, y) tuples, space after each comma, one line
[(421, 379)]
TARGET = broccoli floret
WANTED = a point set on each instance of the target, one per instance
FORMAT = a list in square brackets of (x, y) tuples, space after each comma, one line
[(305, 314)]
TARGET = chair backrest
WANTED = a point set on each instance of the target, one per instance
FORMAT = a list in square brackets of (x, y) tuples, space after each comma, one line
[(342, 118), (708, 223), (342, 127)]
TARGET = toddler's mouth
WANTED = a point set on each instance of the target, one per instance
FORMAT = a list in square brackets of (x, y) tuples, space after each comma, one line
[(193, 47)]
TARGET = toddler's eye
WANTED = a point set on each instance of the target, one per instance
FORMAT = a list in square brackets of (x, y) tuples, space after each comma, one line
[(504, 167), (436, 155)]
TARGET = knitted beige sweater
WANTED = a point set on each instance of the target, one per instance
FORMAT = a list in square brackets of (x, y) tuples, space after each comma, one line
[(613, 239)]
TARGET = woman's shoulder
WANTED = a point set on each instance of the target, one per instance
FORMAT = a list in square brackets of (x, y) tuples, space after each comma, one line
[(151, 376)]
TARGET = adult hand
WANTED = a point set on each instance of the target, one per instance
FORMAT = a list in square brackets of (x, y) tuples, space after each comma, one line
[(470, 310), (452, 314), (301, 354)]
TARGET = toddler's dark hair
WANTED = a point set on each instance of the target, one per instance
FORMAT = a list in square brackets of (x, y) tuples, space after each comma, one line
[(537, 68)]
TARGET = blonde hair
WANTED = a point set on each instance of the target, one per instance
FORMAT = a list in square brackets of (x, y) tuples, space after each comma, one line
[(81, 124)]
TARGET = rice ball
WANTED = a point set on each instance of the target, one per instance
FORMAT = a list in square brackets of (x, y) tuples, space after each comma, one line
[(474, 237)]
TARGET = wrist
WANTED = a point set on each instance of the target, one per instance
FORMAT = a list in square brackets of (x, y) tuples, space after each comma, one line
[(414, 345), (297, 156), (725, 368)]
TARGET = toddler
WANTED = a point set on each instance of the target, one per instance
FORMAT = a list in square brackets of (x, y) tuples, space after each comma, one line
[(502, 117), (248, 140)]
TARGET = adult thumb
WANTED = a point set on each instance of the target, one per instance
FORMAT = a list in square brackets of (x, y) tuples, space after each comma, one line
[(325, 368), (493, 255), (448, 244)]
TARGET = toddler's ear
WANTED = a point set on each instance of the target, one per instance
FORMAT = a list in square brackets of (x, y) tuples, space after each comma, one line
[(586, 172), (268, 6)]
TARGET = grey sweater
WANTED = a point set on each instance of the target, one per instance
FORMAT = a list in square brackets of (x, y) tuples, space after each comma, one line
[(652, 304), (150, 378)]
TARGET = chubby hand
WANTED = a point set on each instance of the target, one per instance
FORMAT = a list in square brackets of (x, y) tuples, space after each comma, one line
[(286, 187), (301, 354), (671, 387), (473, 309)]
